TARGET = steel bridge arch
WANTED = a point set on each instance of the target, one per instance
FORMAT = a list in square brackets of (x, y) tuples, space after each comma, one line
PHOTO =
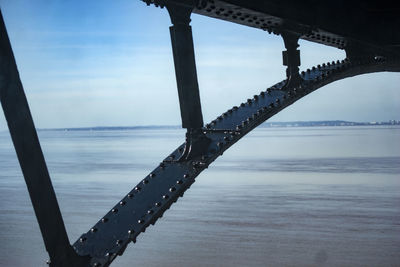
[(166, 183)]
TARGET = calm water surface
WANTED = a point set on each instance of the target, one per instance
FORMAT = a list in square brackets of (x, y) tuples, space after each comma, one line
[(326, 196)]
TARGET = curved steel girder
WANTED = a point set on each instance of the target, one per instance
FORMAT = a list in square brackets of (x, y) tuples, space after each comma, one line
[(148, 201)]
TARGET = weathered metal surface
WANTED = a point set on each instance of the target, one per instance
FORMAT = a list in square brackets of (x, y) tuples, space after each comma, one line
[(30, 156), (149, 200)]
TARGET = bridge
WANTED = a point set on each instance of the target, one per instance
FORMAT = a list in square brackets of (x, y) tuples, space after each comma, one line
[(366, 30)]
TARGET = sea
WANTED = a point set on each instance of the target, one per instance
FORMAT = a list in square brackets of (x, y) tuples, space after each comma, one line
[(281, 196)]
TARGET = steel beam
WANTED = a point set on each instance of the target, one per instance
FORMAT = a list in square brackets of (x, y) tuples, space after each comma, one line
[(185, 66), (291, 59), (186, 79), (30, 156)]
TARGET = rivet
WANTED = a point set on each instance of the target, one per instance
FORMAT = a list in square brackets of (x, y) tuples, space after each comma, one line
[(318, 66), (226, 138), (179, 182), (172, 189), (130, 195), (96, 264), (165, 196), (308, 70), (104, 220), (186, 175), (219, 144), (255, 97), (137, 188), (249, 119), (271, 105), (208, 126), (323, 65), (145, 181), (313, 68), (114, 210), (150, 212), (303, 73), (119, 242), (243, 104), (162, 165), (131, 232), (48, 262), (152, 175), (235, 108), (262, 93), (140, 221), (82, 239), (93, 230), (238, 127)]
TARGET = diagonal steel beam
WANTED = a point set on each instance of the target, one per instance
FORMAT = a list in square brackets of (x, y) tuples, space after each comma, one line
[(148, 201), (30, 156)]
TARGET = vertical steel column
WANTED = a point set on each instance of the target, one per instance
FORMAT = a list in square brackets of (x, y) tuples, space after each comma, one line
[(186, 79), (30, 156), (291, 59), (185, 67)]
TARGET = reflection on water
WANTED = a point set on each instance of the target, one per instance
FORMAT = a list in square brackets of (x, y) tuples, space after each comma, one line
[(282, 196)]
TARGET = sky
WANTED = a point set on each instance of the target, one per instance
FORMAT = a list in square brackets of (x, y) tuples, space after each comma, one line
[(109, 63)]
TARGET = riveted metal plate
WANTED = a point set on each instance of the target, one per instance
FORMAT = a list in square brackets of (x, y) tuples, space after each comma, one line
[(149, 199)]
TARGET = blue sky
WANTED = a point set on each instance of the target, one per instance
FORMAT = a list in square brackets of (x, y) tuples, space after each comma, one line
[(109, 63)]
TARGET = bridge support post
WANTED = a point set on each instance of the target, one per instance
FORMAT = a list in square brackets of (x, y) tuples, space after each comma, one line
[(186, 79), (291, 59)]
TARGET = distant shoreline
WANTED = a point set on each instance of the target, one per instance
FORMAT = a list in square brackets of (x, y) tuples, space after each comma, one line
[(264, 125)]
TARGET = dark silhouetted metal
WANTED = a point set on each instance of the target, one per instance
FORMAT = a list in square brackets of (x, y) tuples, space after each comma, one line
[(185, 67), (186, 79), (367, 51), (291, 59), (30, 156)]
